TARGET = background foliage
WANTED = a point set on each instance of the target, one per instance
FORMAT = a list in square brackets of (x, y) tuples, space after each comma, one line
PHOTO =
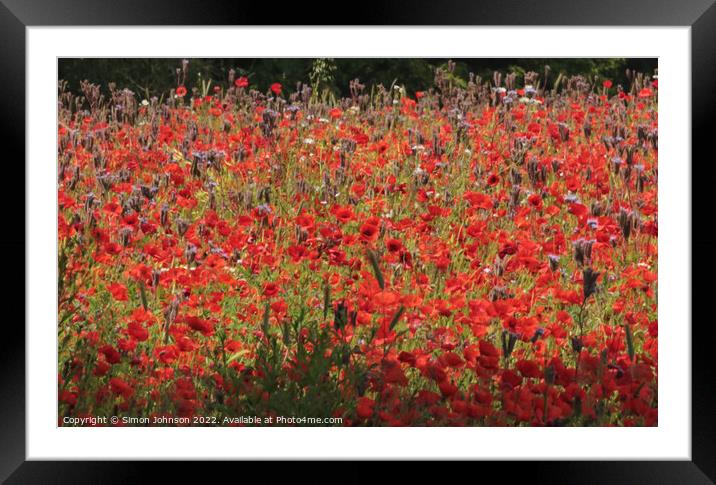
[(154, 77)]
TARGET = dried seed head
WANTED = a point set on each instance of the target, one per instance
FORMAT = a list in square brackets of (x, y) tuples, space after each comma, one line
[(182, 226), (589, 282), (499, 266), (587, 129), (563, 131), (583, 251), (164, 215), (538, 333), (553, 262), (125, 235), (598, 208), (155, 278), (89, 202), (628, 222), (149, 191), (190, 253)]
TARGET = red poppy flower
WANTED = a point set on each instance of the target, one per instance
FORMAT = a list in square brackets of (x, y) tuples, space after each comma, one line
[(118, 291), (407, 357), (447, 389), (364, 409), (201, 325), (167, 354), (181, 91), (270, 289), (241, 82), (478, 200), (111, 354), (507, 248), (369, 232), (121, 387), (528, 368), (276, 88), (393, 245), (138, 331), (343, 214)]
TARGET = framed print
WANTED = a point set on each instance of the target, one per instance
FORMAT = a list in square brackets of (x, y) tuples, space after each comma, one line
[(402, 241)]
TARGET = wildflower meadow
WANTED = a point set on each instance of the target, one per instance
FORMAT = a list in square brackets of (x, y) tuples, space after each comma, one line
[(481, 252)]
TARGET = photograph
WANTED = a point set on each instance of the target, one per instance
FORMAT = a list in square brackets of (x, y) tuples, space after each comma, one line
[(357, 242), (425, 235)]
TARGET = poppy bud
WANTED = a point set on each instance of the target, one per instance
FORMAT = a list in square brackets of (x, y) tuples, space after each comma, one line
[(509, 339)]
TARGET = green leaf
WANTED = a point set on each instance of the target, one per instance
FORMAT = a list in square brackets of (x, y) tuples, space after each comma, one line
[(629, 342), (265, 322), (340, 316), (397, 316), (236, 355), (143, 296), (286, 334), (326, 299), (376, 268)]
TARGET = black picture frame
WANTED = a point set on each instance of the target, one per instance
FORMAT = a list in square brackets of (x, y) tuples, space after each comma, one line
[(700, 15)]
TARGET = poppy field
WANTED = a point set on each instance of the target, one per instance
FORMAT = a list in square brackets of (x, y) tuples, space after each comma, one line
[(479, 253)]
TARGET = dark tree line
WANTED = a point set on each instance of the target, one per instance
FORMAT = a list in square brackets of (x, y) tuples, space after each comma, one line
[(156, 76)]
